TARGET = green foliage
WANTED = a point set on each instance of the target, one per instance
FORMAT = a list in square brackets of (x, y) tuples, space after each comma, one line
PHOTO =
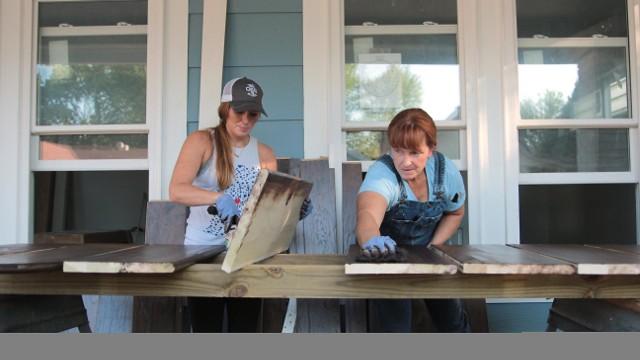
[(381, 97), (549, 105), (365, 145), (93, 94), (366, 100)]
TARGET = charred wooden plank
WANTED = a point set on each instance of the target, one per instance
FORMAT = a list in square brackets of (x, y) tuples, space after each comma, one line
[(53, 257), (589, 260), (500, 259), (269, 220), (419, 260), (145, 259)]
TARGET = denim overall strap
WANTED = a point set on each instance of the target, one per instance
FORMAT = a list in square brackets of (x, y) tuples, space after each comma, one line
[(438, 186), (388, 161)]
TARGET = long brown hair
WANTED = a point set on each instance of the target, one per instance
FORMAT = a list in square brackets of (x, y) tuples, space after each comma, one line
[(224, 151), (410, 127)]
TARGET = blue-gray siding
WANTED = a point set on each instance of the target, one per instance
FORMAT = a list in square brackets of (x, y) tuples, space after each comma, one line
[(263, 42)]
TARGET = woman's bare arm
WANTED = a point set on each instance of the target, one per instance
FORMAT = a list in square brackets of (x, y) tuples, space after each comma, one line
[(448, 225), (371, 208), (267, 158), (195, 151)]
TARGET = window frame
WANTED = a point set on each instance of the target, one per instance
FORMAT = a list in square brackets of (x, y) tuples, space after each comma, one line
[(460, 125), (514, 122), (153, 83), (166, 104)]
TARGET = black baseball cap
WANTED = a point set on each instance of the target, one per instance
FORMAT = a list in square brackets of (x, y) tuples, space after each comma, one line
[(244, 94)]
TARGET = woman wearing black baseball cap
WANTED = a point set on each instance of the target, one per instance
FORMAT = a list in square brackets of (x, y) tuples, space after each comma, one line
[(218, 166)]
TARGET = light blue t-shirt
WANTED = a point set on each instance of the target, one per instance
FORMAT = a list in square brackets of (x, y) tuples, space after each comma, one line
[(382, 180)]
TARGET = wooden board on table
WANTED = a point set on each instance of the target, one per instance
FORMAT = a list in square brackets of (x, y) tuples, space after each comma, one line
[(500, 259), (51, 258), (83, 237), (22, 248), (420, 260), (146, 259), (269, 220), (633, 249), (589, 260)]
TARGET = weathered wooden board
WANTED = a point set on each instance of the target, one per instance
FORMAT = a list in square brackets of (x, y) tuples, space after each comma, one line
[(22, 248), (589, 260), (83, 237), (500, 259), (165, 225), (318, 276), (317, 234), (355, 311), (633, 249), (269, 220), (147, 259), (52, 258), (351, 181), (420, 260)]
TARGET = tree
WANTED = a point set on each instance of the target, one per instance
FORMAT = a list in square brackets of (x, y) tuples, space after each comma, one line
[(549, 105), (377, 99), (96, 94), (544, 150)]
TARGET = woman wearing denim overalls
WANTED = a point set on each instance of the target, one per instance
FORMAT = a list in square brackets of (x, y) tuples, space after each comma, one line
[(412, 196)]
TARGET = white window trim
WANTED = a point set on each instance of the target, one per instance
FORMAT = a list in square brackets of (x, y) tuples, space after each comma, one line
[(90, 129), (166, 107), (74, 31), (576, 123), (214, 19), (482, 29), (577, 178), (352, 30), (92, 165), (15, 35), (382, 125), (573, 42)]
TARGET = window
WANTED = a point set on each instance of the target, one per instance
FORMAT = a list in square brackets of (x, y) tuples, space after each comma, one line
[(398, 55), (90, 86), (574, 132)]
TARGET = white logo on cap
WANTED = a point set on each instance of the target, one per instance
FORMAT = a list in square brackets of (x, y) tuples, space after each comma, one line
[(251, 90)]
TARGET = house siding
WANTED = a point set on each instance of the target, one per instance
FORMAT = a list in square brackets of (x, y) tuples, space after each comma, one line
[(264, 42)]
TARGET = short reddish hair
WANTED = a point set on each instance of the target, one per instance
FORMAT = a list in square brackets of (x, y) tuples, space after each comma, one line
[(410, 127)]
